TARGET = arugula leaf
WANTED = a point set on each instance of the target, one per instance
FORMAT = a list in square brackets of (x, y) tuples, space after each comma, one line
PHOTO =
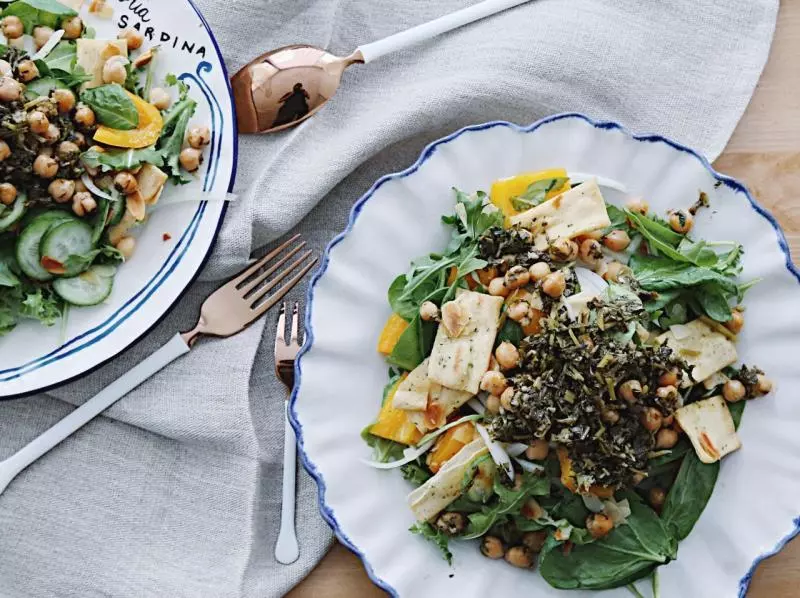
[(121, 159), (112, 106), (427, 531), (509, 502), (39, 12), (662, 274), (536, 193), (82, 262), (618, 218), (176, 121)]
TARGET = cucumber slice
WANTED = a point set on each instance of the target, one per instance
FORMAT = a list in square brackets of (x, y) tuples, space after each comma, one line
[(65, 239), (27, 252), (40, 212), (10, 217), (89, 288), (42, 87)]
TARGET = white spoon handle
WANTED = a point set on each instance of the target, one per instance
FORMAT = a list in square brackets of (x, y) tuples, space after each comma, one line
[(426, 31), (286, 549), (90, 409)]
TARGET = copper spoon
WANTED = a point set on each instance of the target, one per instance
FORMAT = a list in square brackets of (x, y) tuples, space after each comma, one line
[(286, 86)]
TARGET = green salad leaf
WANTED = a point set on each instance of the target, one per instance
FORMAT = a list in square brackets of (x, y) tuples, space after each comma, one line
[(121, 159), (427, 531), (509, 502), (49, 13), (536, 193), (112, 106)]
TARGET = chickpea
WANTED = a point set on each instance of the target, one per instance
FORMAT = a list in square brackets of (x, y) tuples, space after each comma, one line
[(534, 540), (428, 311), (61, 190), (651, 419), (656, 498), (506, 398), (764, 385), (5, 150), (617, 240), (564, 250), (507, 355), (638, 205), (84, 116), (554, 284), (45, 166), (630, 390), (125, 246), (144, 59), (67, 150), (5, 68), (41, 35), (733, 391), (519, 310), (114, 70), (73, 27), (8, 193), (638, 478), (668, 378), (38, 122), (667, 393), (79, 186), (134, 38), (191, 159), (666, 438), (160, 98), (89, 204), (78, 139), (539, 270), (27, 70), (610, 416), (736, 323), (538, 450), (681, 221), (10, 89), (492, 547), (451, 524), (591, 252), (517, 277), (599, 525), (52, 134), (614, 270), (13, 27), (520, 556), (494, 383), (199, 137), (77, 206), (64, 99), (532, 509), (126, 183), (493, 404), (497, 287)]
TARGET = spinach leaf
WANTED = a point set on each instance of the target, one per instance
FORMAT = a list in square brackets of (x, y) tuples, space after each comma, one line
[(510, 331), (619, 220), (121, 159), (536, 193), (61, 66), (572, 509), (427, 531), (39, 12), (713, 302), (62, 57), (662, 274), (509, 502), (414, 345), (112, 106), (628, 553)]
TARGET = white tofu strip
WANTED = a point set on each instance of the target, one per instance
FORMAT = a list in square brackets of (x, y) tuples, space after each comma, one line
[(412, 394), (709, 426), (459, 363), (442, 402), (702, 347), (433, 496), (575, 212)]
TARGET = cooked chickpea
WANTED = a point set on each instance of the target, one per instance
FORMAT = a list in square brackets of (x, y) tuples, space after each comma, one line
[(5, 150), (89, 204), (45, 166), (667, 393), (38, 122), (617, 240), (41, 35), (77, 206), (114, 70), (610, 416), (78, 139), (666, 438), (520, 556), (160, 98), (614, 270), (134, 38), (125, 246), (599, 525), (638, 478), (497, 287), (539, 270), (494, 382), (199, 137), (507, 355), (8, 193), (61, 190), (736, 323), (538, 450), (13, 27), (126, 183), (532, 509), (506, 398), (668, 378), (493, 404), (554, 284), (492, 547), (518, 310), (517, 277), (191, 159), (27, 70), (733, 391), (764, 385), (5, 68), (84, 116), (564, 250), (651, 419), (67, 150), (428, 311), (10, 89), (638, 205), (591, 252), (52, 134), (630, 390), (534, 540), (79, 186), (144, 59), (73, 27), (64, 99), (681, 221), (656, 498), (451, 524)]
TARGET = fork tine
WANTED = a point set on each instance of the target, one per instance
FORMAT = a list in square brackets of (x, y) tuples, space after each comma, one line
[(284, 289), (262, 262), (280, 334), (269, 271), (253, 299), (295, 317)]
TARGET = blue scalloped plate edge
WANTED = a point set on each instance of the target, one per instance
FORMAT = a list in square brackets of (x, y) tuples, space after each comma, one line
[(430, 149)]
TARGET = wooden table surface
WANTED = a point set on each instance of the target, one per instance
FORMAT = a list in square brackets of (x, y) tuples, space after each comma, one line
[(764, 152)]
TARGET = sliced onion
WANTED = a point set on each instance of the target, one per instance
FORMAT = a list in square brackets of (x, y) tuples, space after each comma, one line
[(582, 177), (433, 435), (618, 512), (590, 281), (497, 452), (529, 466), (48, 47), (476, 405), (515, 449), (87, 180), (591, 502), (409, 455)]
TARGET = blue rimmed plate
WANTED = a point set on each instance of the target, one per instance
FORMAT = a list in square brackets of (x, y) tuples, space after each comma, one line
[(754, 509), (33, 357)]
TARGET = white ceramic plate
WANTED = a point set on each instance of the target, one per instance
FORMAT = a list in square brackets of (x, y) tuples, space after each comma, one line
[(33, 357), (340, 376)]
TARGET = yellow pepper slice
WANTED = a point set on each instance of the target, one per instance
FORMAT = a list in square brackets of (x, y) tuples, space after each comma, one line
[(504, 190), (147, 133), (394, 424), (394, 328)]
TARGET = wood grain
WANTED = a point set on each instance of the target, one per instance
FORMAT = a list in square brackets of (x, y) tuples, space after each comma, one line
[(764, 153)]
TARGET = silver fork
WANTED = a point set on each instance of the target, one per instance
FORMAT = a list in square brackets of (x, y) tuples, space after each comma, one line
[(227, 311), (286, 548)]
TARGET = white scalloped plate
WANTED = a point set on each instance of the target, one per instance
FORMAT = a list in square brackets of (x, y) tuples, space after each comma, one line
[(33, 357), (340, 376)]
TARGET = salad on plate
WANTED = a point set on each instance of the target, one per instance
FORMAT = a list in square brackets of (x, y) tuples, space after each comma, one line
[(89, 139), (564, 379)]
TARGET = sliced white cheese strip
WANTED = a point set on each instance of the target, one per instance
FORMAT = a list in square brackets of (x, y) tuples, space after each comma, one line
[(460, 363), (433, 496), (578, 304), (442, 402), (93, 53), (575, 212), (412, 393), (709, 426), (702, 347)]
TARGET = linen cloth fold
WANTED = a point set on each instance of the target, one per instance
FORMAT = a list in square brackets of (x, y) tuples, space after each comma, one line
[(175, 491)]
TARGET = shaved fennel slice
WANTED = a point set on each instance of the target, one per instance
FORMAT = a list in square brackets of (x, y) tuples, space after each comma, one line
[(48, 47), (590, 281), (409, 455), (443, 429), (529, 466), (582, 177), (87, 180), (476, 405), (498, 453), (515, 449)]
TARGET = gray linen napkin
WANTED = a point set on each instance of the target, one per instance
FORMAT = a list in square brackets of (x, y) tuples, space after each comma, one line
[(176, 490)]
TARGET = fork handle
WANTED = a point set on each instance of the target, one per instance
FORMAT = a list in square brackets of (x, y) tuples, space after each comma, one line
[(11, 467), (286, 549)]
